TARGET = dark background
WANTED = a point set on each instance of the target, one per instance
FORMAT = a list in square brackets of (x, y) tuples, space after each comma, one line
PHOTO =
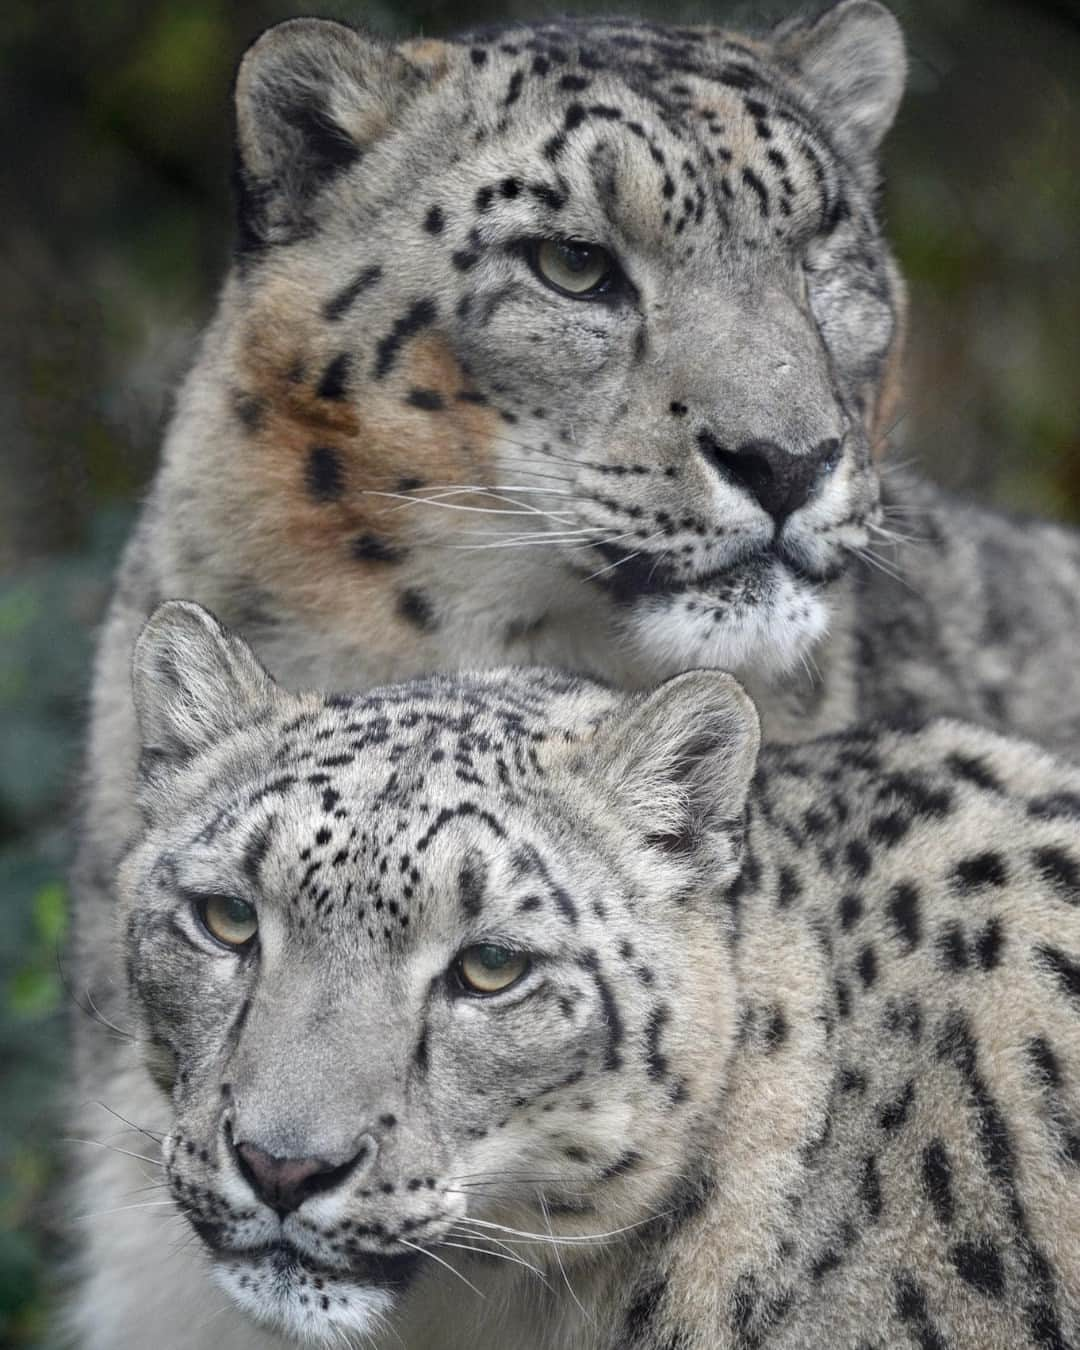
[(114, 229)]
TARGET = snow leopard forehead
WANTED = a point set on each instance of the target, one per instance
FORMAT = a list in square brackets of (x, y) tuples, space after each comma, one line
[(355, 813)]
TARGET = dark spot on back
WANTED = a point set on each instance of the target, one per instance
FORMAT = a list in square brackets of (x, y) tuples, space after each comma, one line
[(979, 1264), (981, 869)]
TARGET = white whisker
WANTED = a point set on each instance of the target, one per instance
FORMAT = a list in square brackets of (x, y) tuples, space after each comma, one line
[(562, 1268), (98, 1143), (120, 1209), (424, 1251), (583, 1239), (498, 1256), (150, 1134)]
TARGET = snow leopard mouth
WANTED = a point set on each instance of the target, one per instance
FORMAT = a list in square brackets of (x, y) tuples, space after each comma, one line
[(289, 1264), (283, 1289), (633, 575)]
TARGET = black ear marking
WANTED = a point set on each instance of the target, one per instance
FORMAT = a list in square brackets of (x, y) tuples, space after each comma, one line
[(311, 96)]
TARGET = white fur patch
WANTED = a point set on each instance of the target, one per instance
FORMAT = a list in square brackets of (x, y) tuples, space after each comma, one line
[(759, 618), (278, 1292)]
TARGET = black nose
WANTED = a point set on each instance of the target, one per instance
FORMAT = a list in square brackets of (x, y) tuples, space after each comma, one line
[(778, 480), (285, 1183)]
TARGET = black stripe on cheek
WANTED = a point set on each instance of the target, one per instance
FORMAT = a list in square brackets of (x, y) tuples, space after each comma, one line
[(415, 608), (373, 548), (612, 1016), (324, 474), (419, 316), (420, 1054), (656, 1060), (241, 1017), (752, 181), (623, 1164), (339, 305), (334, 377)]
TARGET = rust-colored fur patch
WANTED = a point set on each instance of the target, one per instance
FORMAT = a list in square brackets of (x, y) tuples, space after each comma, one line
[(431, 55), (312, 477)]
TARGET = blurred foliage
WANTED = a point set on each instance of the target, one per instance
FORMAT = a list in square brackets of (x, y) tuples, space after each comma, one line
[(116, 228)]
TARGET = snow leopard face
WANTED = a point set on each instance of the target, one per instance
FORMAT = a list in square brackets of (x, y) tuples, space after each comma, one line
[(413, 964), (603, 305)]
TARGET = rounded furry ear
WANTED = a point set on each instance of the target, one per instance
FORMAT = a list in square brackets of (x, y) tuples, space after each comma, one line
[(853, 59), (311, 95), (682, 761), (194, 682)]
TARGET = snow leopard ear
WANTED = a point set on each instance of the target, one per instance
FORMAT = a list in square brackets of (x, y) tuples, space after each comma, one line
[(852, 58), (194, 682), (682, 760), (311, 97)]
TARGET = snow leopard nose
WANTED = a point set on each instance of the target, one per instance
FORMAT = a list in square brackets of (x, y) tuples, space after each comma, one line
[(285, 1183), (779, 481)]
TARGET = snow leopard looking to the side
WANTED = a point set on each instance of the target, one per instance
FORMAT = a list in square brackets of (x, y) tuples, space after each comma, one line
[(511, 977)]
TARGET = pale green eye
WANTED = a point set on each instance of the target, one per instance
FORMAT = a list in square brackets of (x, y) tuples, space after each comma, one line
[(573, 267), (489, 969), (228, 919)]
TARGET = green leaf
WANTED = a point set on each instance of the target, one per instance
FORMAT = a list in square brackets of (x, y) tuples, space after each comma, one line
[(33, 992), (51, 913)]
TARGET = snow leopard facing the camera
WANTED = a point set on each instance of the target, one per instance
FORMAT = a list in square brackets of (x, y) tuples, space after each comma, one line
[(505, 1009), (567, 343)]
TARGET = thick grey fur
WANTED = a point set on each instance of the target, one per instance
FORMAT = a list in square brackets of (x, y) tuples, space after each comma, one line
[(335, 477), (795, 1064)]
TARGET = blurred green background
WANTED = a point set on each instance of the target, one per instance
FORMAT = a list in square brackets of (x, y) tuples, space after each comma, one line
[(114, 233)]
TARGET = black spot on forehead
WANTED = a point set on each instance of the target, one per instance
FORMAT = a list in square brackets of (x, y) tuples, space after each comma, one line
[(472, 883)]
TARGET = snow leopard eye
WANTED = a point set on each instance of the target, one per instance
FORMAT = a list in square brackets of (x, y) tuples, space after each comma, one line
[(489, 969), (228, 919), (573, 267)]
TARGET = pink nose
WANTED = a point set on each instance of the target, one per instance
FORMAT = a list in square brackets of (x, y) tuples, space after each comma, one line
[(285, 1183)]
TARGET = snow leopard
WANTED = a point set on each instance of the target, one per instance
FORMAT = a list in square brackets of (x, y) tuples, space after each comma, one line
[(572, 343), (508, 1009)]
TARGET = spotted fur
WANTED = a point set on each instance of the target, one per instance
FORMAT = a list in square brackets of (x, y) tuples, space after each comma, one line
[(398, 451), (805, 1049)]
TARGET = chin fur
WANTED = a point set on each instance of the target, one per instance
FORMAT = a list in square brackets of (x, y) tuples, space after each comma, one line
[(283, 1296), (760, 618)]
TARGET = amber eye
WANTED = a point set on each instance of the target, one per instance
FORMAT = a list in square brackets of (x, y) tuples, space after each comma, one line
[(572, 267), (232, 921), (489, 969)]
